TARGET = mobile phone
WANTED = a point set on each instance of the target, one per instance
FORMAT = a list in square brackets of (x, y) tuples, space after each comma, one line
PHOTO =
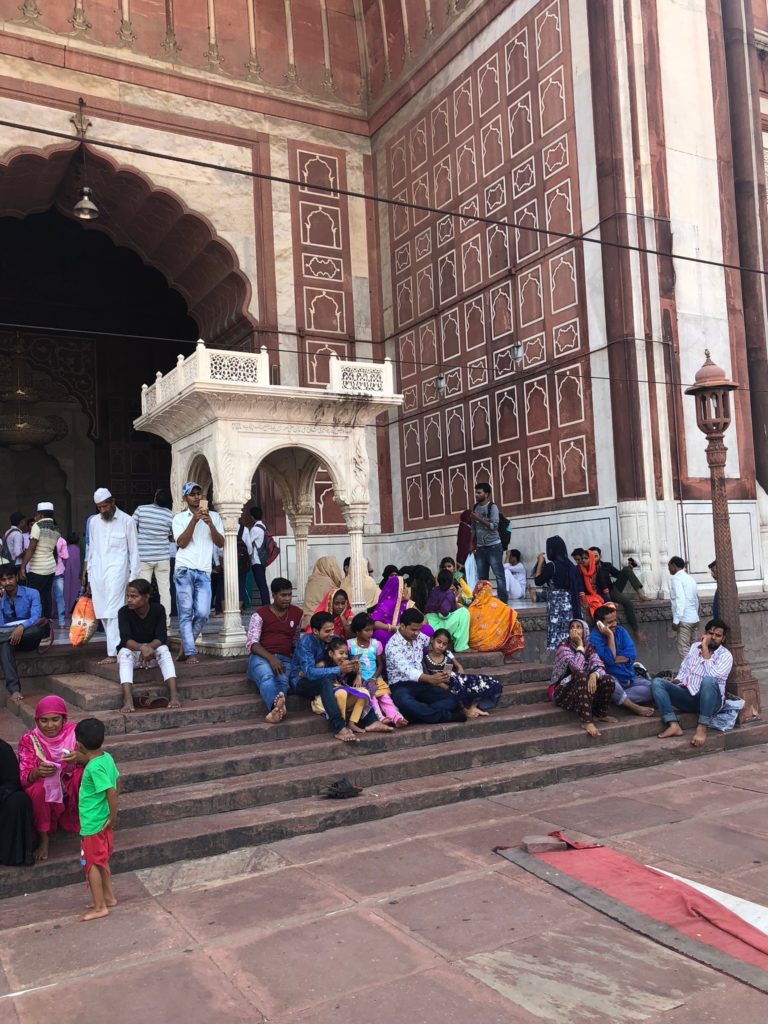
[(203, 504)]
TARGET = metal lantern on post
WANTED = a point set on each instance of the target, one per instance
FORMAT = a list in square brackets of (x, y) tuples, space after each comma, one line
[(712, 391)]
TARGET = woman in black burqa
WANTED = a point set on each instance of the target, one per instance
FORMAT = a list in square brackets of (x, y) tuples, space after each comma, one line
[(15, 813)]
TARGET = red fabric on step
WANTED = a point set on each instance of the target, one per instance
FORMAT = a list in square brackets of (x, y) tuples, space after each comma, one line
[(665, 900)]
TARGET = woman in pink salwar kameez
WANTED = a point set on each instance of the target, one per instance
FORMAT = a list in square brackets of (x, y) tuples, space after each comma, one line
[(50, 783)]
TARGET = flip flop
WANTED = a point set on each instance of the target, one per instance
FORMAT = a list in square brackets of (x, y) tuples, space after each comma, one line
[(341, 790), (150, 702)]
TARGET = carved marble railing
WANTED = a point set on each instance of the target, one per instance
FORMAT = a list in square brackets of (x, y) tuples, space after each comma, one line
[(210, 366)]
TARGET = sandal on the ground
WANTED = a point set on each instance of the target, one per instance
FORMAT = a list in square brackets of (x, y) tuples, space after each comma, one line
[(150, 701), (341, 790)]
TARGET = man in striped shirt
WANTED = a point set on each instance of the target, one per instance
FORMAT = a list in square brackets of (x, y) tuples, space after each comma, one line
[(700, 685), (153, 528)]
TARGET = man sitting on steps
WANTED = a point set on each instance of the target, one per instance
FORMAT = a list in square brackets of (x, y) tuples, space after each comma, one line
[(272, 635), (22, 627), (700, 684), (310, 681)]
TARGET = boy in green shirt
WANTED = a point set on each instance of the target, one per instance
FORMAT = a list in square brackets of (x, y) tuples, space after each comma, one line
[(97, 803)]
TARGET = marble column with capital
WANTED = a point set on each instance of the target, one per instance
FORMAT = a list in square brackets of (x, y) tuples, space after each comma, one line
[(232, 634), (355, 517), (300, 519)]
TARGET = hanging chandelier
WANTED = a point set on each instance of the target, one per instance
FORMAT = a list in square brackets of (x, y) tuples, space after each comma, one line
[(24, 429)]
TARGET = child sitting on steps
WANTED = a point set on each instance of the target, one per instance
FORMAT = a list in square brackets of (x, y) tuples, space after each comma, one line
[(370, 654)]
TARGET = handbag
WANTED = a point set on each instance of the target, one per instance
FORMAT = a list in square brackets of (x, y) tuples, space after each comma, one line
[(84, 622)]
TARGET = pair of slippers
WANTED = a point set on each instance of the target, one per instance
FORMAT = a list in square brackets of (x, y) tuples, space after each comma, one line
[(150, 701), (341, 790)]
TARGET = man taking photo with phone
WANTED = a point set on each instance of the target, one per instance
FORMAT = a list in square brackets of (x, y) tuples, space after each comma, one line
[(196, 530)]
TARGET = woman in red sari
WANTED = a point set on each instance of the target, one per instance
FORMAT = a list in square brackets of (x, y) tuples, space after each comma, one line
[(50, 783), (336, 603)]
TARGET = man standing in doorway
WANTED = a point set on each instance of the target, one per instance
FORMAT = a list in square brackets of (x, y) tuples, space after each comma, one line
[(489, 552), (196, 531), (38, 565), (112, 560), (258, 540), (153, 528), (684, 594), (14, 539)]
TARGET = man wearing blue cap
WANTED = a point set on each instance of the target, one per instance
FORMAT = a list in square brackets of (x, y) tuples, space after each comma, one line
[(196, 531)]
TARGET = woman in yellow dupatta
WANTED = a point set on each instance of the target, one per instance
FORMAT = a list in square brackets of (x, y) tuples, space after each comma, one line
[(493, 625)]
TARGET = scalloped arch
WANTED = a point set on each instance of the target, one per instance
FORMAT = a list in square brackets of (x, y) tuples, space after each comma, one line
[(154, 222)]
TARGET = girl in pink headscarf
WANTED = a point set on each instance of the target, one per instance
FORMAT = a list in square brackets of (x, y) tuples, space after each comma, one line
[(50, 783)]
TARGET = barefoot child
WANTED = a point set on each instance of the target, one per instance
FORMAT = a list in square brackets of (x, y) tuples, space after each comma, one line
[(351, 696), (370, 654), (98, 814), (476, 694)]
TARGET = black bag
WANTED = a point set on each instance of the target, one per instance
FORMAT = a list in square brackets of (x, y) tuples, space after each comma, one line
[(505, 530)]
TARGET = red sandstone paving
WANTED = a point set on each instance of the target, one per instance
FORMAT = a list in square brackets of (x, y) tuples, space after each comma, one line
[(478, 915), (705, 844), (255, 902), (298, 968), (47, 951), (600, 974), (62, 904), (719, 1002), (753, 778), (613, 815), (632, 782), (186, 988), (479, 843), (440, 996), (699, 795), (391, 868)]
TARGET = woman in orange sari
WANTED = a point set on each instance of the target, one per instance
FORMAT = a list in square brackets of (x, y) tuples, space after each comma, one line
[(336, 603), (493, 625)]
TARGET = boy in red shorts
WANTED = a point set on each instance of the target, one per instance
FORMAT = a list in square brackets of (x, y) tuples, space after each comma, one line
[(97, 804)]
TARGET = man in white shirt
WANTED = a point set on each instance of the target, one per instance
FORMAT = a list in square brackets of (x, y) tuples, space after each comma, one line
[(258, 536), (700, 684), (153, 527), (684, 594), (111, 563), (196, 532), (516, 575), (417, 694)]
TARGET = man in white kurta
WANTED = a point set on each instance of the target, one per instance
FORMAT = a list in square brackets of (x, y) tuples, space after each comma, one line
[(112, 561)]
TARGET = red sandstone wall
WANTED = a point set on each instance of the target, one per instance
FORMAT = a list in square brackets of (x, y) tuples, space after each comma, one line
[(498, 143)]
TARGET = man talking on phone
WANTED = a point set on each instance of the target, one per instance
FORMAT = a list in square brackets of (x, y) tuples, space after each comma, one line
[(196, 530), (699, 686)]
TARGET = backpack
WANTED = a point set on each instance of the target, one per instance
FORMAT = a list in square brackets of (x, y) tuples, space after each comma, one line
[(269, 550), (5, 551), (505, 530), (243, 554)]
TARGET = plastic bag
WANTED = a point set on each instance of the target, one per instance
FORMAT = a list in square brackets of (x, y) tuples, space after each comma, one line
[(726, 717), (84, 622)]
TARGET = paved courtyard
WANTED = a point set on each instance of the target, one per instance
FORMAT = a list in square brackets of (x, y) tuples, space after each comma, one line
[(409, 919)]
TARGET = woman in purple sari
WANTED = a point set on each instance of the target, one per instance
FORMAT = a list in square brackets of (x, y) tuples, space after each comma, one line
[(395, 597)]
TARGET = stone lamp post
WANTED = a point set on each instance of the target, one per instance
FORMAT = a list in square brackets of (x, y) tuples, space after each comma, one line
[(711, 390)]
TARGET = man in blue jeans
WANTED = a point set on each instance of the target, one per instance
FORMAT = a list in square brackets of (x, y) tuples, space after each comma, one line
[(310, 681), (196, 531), (700, 684), (417, 694), (489, 551), (273, 633)]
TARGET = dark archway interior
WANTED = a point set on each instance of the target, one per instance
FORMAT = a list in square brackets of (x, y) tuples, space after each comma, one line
[(101, 309)]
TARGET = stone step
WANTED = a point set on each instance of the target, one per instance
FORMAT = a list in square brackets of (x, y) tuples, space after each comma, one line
[(316, 747), (278, 776), (195, 837), (207, 668)]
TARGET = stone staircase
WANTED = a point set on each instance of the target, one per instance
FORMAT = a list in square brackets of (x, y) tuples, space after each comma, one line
[(213, 776)]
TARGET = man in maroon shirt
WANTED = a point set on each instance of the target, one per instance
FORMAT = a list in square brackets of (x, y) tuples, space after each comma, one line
[(272, 635)]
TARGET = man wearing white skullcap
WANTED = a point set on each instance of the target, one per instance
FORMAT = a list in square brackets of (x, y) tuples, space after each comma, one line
[(38, 566), (111, 563)]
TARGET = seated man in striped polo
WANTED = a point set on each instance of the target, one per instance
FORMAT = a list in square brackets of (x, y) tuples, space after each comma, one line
[(699, 686)]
